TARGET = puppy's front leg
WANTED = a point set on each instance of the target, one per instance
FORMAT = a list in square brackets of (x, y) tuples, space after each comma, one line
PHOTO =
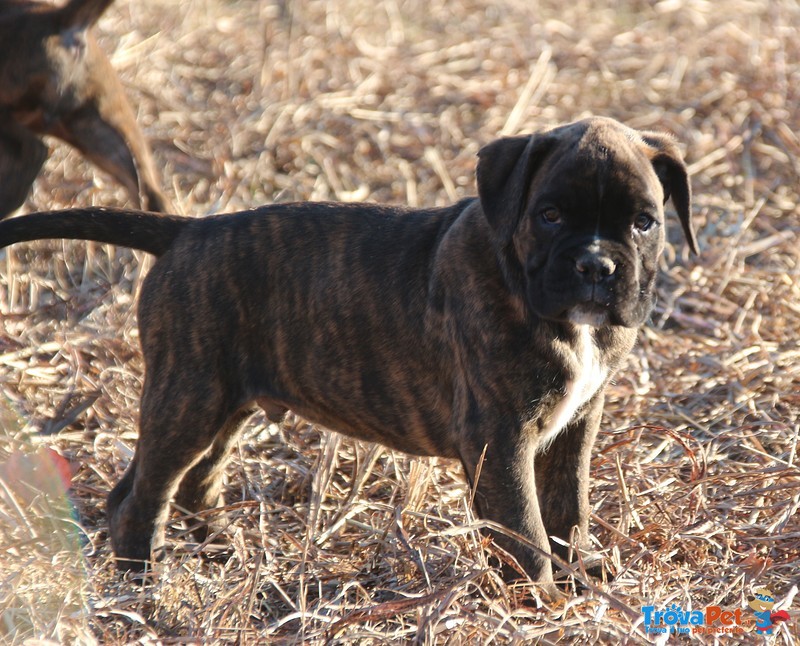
[(505, 492), (562, 478)]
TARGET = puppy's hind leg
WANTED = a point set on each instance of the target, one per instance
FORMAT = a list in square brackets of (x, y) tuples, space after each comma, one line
[(174, 436), (201, 487)]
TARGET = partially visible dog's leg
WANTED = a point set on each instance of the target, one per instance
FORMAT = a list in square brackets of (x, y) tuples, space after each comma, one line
[(201, 487), (121, 491), (21, 157), (174, 435), (562, 479), (505, 492)]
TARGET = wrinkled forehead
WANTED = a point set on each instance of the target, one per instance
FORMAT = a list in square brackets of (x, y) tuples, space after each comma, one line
[(603, 159)]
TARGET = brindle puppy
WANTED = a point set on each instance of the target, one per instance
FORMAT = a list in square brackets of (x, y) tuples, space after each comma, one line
[(492, 325)]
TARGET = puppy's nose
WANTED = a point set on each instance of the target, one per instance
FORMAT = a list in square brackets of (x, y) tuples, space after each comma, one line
[(595, 268)]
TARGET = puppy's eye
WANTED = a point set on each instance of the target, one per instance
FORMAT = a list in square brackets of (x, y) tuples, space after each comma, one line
[(550, 215), (643, 222)]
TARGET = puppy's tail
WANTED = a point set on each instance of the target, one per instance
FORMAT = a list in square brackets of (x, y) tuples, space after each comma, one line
[(81, 14), (150, 232)]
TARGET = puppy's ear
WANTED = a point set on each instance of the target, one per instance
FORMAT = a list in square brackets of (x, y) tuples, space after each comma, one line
[(505, 170), (671, 171)]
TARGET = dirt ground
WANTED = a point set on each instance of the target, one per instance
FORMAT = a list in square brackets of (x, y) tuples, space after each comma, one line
[(696, 481)]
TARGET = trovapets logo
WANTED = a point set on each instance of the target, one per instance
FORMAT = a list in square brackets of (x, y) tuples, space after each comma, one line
[(758, 617)]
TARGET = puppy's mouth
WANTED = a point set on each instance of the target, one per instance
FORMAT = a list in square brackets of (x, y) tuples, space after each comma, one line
[(591, 314), (593, 306), (594, 313), (562, 295)]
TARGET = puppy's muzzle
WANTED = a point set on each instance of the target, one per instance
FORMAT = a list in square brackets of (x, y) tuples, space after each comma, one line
[(596, 272), (595, 275)]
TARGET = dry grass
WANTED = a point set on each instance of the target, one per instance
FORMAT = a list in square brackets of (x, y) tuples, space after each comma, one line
[(696, 477)]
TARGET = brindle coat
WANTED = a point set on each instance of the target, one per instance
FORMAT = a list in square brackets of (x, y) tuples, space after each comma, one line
[(492, 325)]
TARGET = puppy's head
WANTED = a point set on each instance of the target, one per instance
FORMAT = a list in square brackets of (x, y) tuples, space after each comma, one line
[(580, 211)]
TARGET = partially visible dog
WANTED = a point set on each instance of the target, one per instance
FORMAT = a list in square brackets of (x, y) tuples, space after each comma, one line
[(55, 80), (484, 331)]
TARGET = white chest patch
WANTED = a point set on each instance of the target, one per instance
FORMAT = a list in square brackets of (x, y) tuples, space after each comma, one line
[(590, 374)]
